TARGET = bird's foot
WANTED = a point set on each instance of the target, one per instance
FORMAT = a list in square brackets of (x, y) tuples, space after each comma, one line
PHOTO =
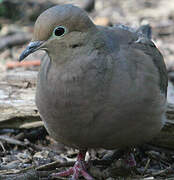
[(75, 171), (131, 160), (127, 155), (78, 169)]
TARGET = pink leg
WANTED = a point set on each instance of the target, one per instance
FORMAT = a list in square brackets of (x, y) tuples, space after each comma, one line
[(79, 168), (131, 160)]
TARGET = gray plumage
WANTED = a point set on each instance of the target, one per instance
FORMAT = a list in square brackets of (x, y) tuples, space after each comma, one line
[(99, 87), (146, 30)]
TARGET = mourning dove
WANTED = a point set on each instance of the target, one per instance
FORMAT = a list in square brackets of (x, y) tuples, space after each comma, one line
[(98, 87)]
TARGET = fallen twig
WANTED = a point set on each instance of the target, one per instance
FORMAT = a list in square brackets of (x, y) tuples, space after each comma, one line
[(56, 164), (12, 140), (15, 64)]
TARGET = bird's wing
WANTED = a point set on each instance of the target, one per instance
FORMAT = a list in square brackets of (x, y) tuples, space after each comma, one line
[(145, 30), (140, 39), (148, 47)]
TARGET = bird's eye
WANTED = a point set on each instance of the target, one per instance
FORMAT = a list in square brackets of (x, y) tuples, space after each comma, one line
[(59, 31)]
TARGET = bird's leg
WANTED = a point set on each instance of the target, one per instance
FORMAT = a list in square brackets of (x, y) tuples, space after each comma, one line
[(78, 169), (126, 154), (131, 159)]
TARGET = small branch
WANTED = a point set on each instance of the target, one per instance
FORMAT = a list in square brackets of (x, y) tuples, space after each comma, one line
[(56, 164), (11, 140), (13, 40)]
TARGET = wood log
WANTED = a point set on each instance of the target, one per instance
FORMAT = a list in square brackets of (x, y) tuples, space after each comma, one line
[(17, 104)]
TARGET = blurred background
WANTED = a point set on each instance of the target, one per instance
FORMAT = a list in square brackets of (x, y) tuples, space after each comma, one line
[(20, 125), (17, 17)]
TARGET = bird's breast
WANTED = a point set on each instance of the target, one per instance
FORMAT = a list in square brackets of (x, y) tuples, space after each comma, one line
[(94, 107), (69, 101)]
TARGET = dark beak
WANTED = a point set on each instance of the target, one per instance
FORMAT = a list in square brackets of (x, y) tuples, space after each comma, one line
[(32, 47)]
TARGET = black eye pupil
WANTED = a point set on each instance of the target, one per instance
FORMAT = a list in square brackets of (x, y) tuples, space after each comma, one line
[(59, 31)]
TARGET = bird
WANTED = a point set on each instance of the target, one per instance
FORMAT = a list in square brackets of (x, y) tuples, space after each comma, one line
[(97, 87)]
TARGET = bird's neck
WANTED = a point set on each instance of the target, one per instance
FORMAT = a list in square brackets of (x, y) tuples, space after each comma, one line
[(91, 56)]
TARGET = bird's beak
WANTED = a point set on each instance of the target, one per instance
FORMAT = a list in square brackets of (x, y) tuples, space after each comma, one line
[(32, 47)]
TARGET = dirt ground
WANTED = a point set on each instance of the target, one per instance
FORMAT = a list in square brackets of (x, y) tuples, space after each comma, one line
[(27, 151)]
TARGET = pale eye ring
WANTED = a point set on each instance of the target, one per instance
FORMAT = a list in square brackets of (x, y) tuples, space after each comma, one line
[(59, 31)]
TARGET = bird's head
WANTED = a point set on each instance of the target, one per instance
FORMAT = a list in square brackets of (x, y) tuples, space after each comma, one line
[(60, 28)]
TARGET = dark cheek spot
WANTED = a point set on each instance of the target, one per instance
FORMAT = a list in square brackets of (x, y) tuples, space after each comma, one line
[(75, 45)]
